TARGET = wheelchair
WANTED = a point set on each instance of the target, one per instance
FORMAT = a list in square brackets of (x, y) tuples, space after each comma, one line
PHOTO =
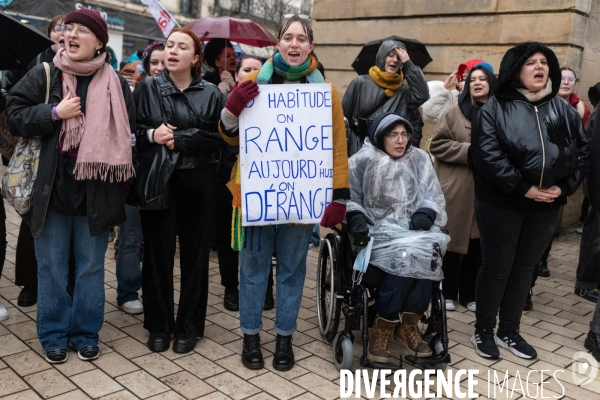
[(338, 294)]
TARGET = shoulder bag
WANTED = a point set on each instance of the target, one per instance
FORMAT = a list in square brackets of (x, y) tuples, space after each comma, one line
[(21, 172), (150, 190)]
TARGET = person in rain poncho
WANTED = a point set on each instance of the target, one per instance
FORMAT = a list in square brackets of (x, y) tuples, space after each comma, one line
[(384, 90), (397, 199)]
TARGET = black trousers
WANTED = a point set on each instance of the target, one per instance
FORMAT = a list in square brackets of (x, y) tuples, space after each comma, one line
[(228, 258), (512, 242), (588, 268), (460, 273), (190, 215), (25, 261)]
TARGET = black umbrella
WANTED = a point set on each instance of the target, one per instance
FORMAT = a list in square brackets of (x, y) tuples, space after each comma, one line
[(19, 43), (366, 58)]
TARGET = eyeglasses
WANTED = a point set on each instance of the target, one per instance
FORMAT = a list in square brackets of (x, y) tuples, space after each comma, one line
[(567, 78), (394, 136), (301, 16), (80, 30), (58, 28)]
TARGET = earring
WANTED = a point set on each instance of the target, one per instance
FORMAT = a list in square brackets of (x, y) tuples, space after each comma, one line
[(192, 65), (98, 52)]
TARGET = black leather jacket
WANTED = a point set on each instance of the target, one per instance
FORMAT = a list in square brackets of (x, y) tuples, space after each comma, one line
[(195, 113), (28, 116), (517, 144)]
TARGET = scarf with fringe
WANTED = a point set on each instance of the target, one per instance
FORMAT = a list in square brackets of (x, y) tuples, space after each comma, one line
[(540, 94), (390, 82), (103, 134), (276, 64)]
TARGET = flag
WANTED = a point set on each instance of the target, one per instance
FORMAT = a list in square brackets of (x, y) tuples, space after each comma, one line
[(165, 20)]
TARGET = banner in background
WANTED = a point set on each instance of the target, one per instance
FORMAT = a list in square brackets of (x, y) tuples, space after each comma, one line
[(163, 18)]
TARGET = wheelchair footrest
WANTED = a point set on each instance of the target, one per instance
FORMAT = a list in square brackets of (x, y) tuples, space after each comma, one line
[(365, 362), (442, 358)]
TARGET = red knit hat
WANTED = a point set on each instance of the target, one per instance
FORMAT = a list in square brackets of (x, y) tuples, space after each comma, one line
[(90, 19)]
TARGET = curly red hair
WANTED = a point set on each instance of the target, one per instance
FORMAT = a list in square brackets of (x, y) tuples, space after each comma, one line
[(197, 68)]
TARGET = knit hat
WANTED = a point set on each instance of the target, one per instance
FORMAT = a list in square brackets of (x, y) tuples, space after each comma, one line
[(513, 60), (382, 122), (90, 19)]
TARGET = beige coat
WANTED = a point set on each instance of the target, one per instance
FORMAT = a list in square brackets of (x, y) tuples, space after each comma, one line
[(449, 145)]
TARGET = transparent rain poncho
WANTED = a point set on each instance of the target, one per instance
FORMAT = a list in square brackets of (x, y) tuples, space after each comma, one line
[(389, 191)]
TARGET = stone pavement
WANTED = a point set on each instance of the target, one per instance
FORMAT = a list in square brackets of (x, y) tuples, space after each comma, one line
[(128, 370)]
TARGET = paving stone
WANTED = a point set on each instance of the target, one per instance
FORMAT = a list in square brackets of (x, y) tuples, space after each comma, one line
[(96, 383), (10, 382), (50, 383), (187, 385)]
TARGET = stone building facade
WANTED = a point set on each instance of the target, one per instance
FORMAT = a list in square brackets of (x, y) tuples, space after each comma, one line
[(458, 30)]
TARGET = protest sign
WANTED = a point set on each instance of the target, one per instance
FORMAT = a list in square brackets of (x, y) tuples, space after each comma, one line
[(286, 155)]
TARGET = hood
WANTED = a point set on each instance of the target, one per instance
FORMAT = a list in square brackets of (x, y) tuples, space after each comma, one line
[(464, 99), (508, 76), (382, 121), (594, 94), (467, 66), (384, 50)]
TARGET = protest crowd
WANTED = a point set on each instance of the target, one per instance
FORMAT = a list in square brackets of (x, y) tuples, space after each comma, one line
[(153, 150)]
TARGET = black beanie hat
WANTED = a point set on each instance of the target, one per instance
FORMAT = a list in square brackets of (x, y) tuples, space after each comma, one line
[(90, 19), (383, 121)]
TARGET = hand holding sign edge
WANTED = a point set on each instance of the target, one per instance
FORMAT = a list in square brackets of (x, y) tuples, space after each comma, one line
[(240, 96)]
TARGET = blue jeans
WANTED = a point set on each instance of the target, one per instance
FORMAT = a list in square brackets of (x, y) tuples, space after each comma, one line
[(129, 273), (401, 294), (255, 263), (315, 235), (61, 318)]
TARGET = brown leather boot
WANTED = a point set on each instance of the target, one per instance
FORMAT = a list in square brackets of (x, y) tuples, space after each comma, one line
[(408, 335), (378, 340)]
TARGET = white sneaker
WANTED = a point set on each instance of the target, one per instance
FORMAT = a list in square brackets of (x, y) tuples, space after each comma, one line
[(450, 305), (3, 312), (132, 307), (471, 306)]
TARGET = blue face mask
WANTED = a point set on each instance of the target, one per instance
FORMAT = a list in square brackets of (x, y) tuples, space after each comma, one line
[(362, 262)]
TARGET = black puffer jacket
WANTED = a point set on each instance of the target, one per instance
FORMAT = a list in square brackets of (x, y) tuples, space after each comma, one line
[(517, 144), (28, 116), (195, 113)]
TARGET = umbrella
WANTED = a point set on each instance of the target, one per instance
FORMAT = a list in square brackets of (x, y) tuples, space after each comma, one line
[(235, 29), (366, 58), (20, 43)]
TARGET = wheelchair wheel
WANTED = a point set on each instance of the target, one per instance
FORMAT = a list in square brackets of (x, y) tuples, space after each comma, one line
[(328, 305), (344, 357)]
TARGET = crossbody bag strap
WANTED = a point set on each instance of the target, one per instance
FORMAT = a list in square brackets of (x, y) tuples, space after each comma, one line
[(47, 69)]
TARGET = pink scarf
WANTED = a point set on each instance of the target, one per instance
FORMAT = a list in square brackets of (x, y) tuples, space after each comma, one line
[(103, 134)]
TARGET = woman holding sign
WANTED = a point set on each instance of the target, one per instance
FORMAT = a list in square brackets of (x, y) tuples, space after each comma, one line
[(293, 63)]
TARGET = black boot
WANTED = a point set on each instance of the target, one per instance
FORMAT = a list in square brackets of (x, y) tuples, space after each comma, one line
[(592, 343), (542, 268), (283, 360), (231, 300), (528, 303), (251, 354), (27, 296)]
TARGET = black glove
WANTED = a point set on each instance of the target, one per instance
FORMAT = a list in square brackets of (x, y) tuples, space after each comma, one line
[(357, 223), (422, 219)]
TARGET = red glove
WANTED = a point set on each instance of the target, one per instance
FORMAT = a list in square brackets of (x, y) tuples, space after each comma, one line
[(241, 96), (334, 214)]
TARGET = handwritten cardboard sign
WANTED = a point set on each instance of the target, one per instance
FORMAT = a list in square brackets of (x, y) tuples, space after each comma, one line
[(286, 155)]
